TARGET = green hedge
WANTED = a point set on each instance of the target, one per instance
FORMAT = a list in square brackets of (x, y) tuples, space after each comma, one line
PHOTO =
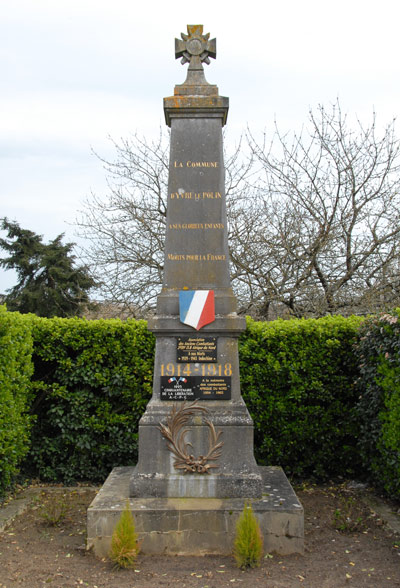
[(378, 352), (92, 382), (15, 372), (298, 381)]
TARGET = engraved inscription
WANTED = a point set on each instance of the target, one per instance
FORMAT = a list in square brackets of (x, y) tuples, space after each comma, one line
[(214, 388), (197, 349), (206, 226), (180, 371), (196, 257), (202, 164), (195, 387)]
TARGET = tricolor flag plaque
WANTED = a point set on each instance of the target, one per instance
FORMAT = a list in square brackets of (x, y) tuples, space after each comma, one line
[(196, 307)]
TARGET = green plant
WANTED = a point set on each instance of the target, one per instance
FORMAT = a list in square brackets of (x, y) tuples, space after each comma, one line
[(92, 381), (348, 518), (124, 541), (298, 382), (248, 545), (15, 371), (54, 511), (49, 283), (378, 354)]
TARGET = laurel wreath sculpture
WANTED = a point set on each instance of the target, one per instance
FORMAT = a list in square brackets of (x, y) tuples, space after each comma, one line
[(176, 443)]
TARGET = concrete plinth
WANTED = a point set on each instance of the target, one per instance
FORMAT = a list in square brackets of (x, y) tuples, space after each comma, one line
[(196, 526)]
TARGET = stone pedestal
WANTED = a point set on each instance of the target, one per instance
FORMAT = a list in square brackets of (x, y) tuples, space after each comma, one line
[(197, 526)]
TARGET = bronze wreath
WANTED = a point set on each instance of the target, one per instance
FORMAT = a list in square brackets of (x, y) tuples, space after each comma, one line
[(176, 443)]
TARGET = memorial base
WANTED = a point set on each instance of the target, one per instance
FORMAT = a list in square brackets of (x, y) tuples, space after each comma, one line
[(196, 526)]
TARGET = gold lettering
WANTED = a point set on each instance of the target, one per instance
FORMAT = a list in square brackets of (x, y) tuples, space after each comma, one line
[(195, 257), (202, 164), (195, 195), (211, 195), (193, 226), (178, 164), (176, 257)]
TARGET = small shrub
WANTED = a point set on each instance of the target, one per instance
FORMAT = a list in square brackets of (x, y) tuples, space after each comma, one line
[(124, 541), (348, 518), (248, 546), (54, 512)]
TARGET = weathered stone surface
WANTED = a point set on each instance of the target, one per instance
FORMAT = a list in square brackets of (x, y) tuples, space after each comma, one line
[(197, 526), (197, 258), (196, 245), (178, 507), (155, 474)]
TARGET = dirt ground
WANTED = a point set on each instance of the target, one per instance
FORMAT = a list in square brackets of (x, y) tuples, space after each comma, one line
[(345, 545)]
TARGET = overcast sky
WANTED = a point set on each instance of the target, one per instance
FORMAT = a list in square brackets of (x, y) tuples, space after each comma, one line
[(76, 72)]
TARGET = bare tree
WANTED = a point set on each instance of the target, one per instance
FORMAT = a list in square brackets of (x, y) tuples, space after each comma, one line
[(125, 231), (314, 221), (331, 219)]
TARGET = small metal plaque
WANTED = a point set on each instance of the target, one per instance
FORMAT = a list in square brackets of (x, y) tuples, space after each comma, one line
[(177, 388), (214, 388), (196, 349), (196, 387)]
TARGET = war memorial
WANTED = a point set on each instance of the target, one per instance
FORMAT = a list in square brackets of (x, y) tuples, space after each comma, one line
[(196, 466)]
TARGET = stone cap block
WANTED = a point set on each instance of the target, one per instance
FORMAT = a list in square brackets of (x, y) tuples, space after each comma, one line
[(192, 106)]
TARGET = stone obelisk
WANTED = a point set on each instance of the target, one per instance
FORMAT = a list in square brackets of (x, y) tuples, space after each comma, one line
[(196, 467), (196, 436)]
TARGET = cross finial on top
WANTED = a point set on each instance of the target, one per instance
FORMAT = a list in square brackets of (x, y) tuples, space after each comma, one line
[(195, 96), (194, 48)]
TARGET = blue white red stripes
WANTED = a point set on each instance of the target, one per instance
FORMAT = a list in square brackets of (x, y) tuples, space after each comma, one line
[(196, 307)]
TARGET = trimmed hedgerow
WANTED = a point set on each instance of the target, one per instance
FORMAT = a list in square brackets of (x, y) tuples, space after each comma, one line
[(378, 352), (92, 381), (15, 372), (298, 381)]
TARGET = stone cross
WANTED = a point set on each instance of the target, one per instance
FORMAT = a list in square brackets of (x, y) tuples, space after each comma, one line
[(195, 47)]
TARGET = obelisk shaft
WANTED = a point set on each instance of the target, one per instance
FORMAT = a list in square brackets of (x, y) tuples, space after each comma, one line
[(196, 247), (192, 364)]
